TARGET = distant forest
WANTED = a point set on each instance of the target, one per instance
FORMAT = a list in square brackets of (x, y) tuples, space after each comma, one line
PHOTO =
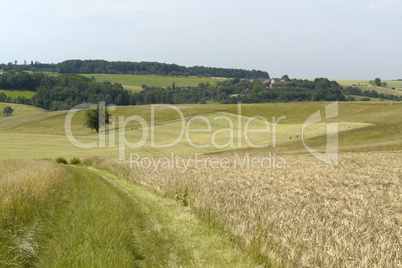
[(65, 91), (139, 68), (60, 92)]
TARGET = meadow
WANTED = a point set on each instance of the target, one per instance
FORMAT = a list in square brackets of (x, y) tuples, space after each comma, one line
[(42, 135), (26, 187), (20, 109), (18, 93), (134, 82), (56, 216), (365, 85), (294, 211)]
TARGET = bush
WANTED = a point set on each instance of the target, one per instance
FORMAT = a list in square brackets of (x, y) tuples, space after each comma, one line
[(75, 161), (61, 160)]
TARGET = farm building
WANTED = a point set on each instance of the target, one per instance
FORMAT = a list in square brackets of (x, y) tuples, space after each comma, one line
[(274, 81)]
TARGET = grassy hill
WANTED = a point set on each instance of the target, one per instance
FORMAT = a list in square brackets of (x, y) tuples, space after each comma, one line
[(307, 214), (365, 85), (364, 126), (134, 82), (20, 109)]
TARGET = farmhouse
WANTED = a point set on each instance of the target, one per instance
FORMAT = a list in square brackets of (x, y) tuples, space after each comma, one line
[(265, 80), (274, 81)]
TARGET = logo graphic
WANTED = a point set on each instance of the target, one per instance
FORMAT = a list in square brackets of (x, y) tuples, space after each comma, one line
[(330, 156)]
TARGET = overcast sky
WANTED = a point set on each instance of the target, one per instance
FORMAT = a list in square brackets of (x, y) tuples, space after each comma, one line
[(359, 39)]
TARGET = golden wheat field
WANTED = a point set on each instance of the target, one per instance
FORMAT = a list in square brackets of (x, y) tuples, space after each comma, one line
[(301, 213)]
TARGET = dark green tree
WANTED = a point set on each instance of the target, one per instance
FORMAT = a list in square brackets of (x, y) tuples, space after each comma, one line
[(286, 77), (8, 110), (95, 119), (377, 81)]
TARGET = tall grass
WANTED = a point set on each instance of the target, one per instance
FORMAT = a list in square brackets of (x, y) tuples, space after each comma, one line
[(107, 222), (307, 215), (25, 189)]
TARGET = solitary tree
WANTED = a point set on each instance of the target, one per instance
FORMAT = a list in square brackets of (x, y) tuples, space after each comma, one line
[(8, 110), (96, 118), (377, 81)]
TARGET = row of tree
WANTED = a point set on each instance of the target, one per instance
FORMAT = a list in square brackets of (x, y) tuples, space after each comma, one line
[(247, 91), (68, 90), (60, 92), (33, 67), (143, 68), (372, 94), (19, 99), (21, 80)]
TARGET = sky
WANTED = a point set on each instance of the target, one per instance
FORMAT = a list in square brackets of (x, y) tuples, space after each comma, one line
[(341, 39)]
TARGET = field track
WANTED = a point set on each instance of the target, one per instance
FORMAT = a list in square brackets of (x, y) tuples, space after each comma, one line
[(104, 221)]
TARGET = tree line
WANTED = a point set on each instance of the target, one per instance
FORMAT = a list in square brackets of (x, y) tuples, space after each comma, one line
[(125, 67), (65, 91), (32, 67), (372, 94), (246, 91), (68, 90), (21, 80)]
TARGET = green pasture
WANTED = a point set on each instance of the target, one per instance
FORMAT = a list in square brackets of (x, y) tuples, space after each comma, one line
[(217, 136), (19, 109), (211, 129), (353, 82), (365, 85), (18, 93), (396, 84), (134, 82)]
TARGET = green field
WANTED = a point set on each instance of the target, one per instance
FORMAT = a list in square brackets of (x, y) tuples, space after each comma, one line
[(20, 109), (18, 93), (396, 84), (134, 82), (102, 213), (365, 85), (56, 216), (42, 135)]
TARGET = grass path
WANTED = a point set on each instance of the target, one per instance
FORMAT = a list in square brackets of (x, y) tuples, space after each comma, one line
[(104, 221)]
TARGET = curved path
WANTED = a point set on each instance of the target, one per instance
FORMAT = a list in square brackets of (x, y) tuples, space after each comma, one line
[(105, 221)]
